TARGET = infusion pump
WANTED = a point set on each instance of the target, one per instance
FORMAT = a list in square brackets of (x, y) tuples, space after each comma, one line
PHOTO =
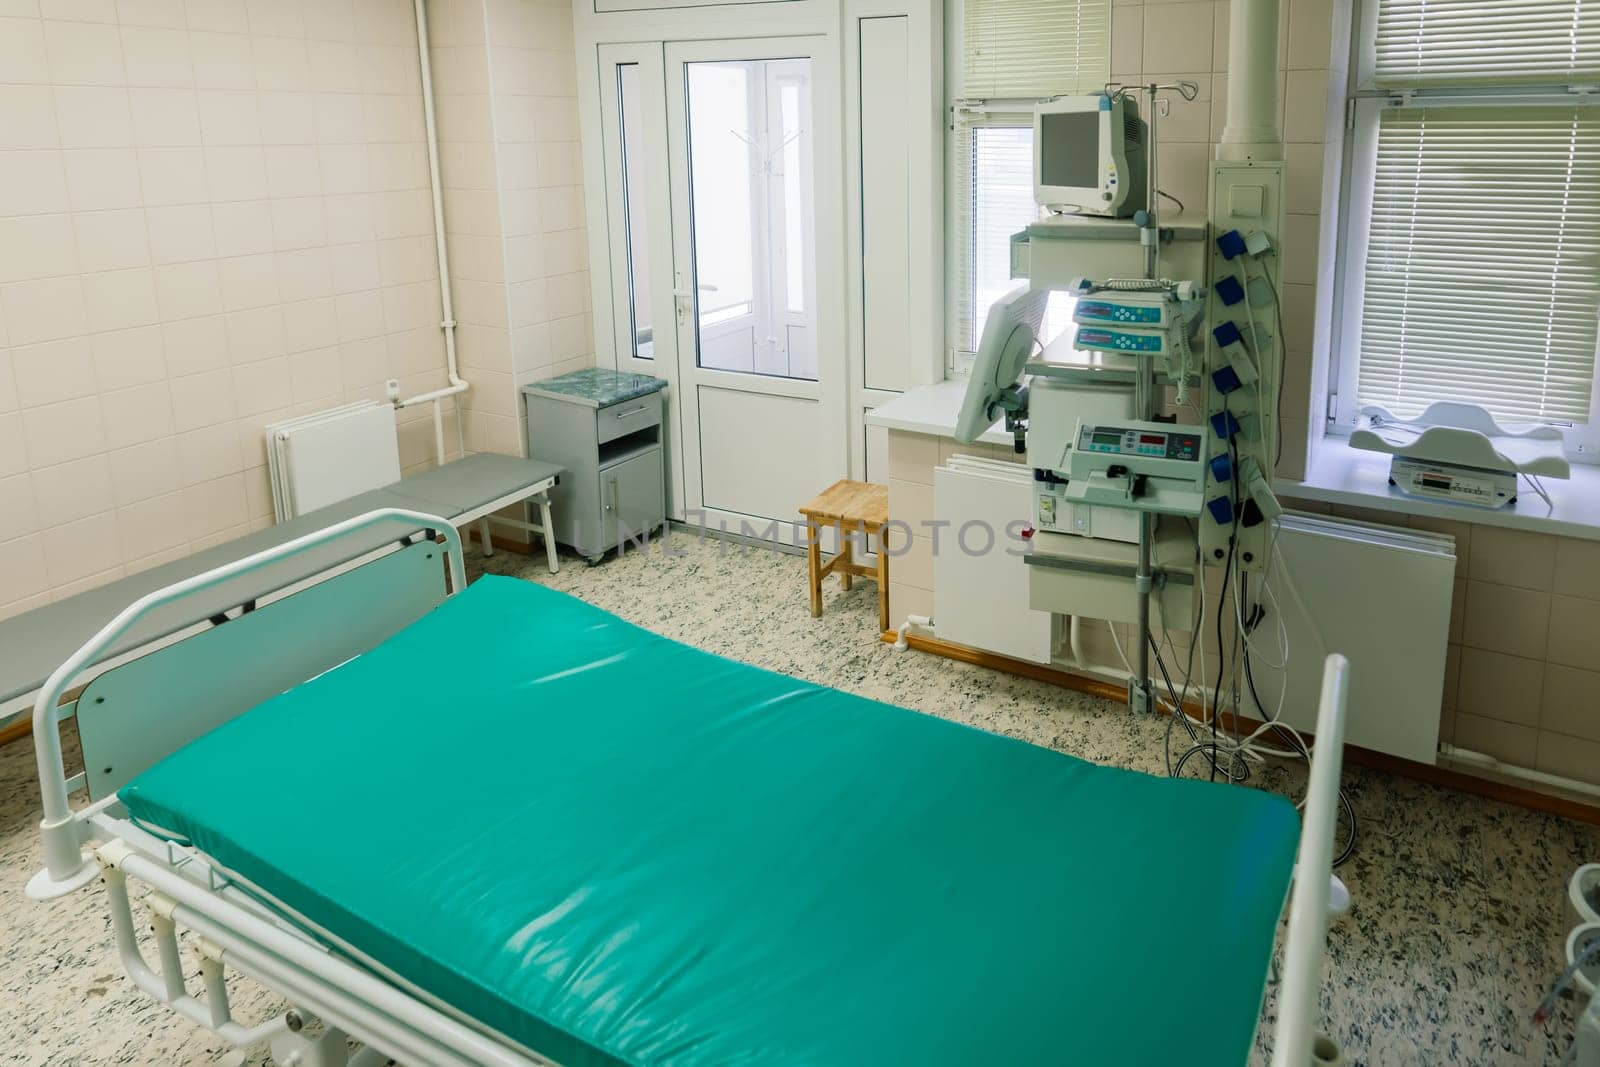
[(1146, 466)]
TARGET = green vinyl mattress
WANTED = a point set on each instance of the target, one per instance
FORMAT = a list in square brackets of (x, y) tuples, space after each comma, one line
[(616, 849)]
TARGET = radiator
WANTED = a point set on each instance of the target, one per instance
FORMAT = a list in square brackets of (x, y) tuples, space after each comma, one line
[(1381, 596), (332, 455), (980, 598)]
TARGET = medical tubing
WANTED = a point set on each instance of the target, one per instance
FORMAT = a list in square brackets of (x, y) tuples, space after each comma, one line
[(1548, 1004), (1283, 354)]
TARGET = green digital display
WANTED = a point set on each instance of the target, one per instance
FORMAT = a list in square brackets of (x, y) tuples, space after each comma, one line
[(1107, 439)]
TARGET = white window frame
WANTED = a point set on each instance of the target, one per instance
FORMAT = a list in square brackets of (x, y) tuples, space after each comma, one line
[(1011, 114), (1364, 108), (966, 110)]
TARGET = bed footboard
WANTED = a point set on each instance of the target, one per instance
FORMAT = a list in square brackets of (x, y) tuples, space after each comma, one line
[(64, 831)]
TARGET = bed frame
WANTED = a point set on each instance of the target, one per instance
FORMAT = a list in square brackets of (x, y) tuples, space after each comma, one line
[(336, 995)]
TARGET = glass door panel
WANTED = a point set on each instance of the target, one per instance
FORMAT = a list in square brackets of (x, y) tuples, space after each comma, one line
[(753, 227), (635, 221)]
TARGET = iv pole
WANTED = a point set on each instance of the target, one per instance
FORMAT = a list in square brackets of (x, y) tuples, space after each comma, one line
[(1141, 688)]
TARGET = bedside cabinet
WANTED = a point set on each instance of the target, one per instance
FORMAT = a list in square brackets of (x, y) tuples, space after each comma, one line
[(605, 428)]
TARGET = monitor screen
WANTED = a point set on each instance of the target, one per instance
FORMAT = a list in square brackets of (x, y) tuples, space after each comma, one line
[(1069, 149)]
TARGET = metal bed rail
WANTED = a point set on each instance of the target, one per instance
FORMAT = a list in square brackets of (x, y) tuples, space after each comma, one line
[(318, 982), (1297, 1041)]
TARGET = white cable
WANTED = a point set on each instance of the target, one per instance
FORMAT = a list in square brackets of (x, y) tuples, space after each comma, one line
[(1248, 746), (1294, 590), (1118, 642), (1269, 379)]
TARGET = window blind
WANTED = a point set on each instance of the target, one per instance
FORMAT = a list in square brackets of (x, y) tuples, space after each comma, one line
[(1483, 262), (1486, 42), (1027, 49), (994, 199)]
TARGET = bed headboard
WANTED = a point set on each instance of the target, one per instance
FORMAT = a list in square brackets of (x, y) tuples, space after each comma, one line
[(132, 716)]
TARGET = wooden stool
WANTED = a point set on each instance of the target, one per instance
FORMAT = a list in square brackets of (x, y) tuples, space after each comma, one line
[(848, 507)]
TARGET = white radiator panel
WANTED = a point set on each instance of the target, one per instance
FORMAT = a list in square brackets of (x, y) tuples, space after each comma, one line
[(1381, 596), (332, 455), (981, 600)]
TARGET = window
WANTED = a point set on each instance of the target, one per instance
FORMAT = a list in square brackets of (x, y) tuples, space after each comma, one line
[(1014, 53), (1472, 255), (996, 160)]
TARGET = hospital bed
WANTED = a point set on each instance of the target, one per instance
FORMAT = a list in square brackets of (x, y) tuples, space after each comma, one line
[(496, 825), (464, 492)]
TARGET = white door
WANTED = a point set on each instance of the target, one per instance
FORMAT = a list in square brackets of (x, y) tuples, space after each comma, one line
[(728, 277)]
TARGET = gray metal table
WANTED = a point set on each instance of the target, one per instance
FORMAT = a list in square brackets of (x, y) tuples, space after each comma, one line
[(35, 643)]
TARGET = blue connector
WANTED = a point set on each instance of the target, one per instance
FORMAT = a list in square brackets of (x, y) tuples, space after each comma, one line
[(1221, 509), (1230, 244), (1226, 334), (1221, 468), (1224, 425), (1229, 291), (1226, 380)]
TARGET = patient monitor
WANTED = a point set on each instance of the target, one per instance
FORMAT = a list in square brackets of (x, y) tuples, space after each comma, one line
[(1089, 156), (1008, 338)]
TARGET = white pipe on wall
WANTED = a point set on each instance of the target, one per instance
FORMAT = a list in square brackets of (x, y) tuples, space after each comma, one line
[(1511, 770), (457, 383), (1251, 132)]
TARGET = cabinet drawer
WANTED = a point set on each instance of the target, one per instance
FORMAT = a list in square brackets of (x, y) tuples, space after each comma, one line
[(628, 417)]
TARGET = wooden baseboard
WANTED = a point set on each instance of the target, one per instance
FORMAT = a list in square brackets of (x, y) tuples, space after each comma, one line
[(1492, 788), (16, 731)]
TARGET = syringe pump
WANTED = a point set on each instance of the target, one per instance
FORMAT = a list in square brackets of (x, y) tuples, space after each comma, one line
[(1146, 466)]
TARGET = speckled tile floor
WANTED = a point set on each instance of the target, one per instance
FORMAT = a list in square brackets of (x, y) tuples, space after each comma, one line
[(1460, 906)]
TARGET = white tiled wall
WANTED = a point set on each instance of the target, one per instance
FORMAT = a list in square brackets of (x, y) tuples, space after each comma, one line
[(215, 213), (212, 214), (506, 87), (1520, 681)]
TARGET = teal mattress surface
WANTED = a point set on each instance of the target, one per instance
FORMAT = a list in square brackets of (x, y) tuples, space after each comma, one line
[(616, 849)]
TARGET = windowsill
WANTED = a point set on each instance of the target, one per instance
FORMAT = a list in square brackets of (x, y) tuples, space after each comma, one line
[(1340, 474), (1344, 475), (931, 409)]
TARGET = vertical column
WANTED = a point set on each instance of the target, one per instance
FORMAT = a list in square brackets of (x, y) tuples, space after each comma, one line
[(1244, 361)]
